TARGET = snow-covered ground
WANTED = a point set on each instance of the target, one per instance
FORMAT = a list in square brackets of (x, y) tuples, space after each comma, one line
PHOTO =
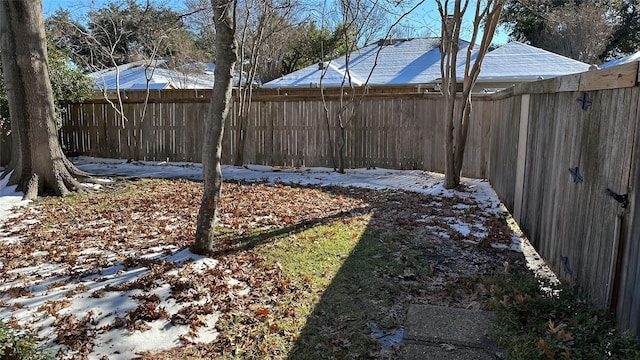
[(8, 198), (79, 296)]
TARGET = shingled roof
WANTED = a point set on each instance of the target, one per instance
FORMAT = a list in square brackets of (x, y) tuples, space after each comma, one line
[(134, 76), (417, 61)]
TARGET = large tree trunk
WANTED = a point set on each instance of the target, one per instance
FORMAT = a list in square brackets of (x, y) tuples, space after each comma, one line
[(205, 240), (38, 165)]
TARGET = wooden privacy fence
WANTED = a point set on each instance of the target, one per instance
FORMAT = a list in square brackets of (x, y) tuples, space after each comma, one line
[(562, 154), (564, 159), (389, 130)]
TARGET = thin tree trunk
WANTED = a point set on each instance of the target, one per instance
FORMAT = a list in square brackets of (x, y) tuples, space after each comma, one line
[(461, 141), (240, 131), (452, 178), (487, 14), (341, 148), (39, 166), (205, 240)]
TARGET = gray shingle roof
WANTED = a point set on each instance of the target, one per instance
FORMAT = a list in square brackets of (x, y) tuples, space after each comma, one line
[(134, 76), (417, 61)]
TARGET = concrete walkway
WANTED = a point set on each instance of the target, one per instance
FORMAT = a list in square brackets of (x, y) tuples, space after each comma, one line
[(445, 333)]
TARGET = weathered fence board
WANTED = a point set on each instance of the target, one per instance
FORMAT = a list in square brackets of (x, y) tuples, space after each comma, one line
[(557, 208), (503, 148), (583, 233), (628, 306), (389, 131)]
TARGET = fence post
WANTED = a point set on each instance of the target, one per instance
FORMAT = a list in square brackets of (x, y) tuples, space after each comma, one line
[(522, 156)]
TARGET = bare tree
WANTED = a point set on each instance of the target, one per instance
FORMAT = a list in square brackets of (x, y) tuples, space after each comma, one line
[(458, 106), (366, 21), (200, 20), (360, 20), (261, 23), (123, 33), (117, 104), (581, 32), (586, 30), (263, 32), (38, 164), (225, 26)]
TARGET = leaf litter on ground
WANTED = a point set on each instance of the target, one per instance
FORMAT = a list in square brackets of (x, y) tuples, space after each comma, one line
[(110, 276)]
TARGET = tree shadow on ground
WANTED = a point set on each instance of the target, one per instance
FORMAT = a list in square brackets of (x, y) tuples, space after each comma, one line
[(399, 260), (233, 243), (361, 295)]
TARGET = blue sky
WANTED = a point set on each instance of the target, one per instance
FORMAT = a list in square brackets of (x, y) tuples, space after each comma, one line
[(83, 6), (424, 20)]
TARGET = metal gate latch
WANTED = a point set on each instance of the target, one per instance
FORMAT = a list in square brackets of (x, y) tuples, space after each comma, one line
[(621, 198)]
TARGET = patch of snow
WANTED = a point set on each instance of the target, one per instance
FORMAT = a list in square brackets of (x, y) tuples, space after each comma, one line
[(184, 256), (91, 186), (204, 264), (10, 240), (41, 271), (162, 335), (9, 197), (461, 227), (90, 251)]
